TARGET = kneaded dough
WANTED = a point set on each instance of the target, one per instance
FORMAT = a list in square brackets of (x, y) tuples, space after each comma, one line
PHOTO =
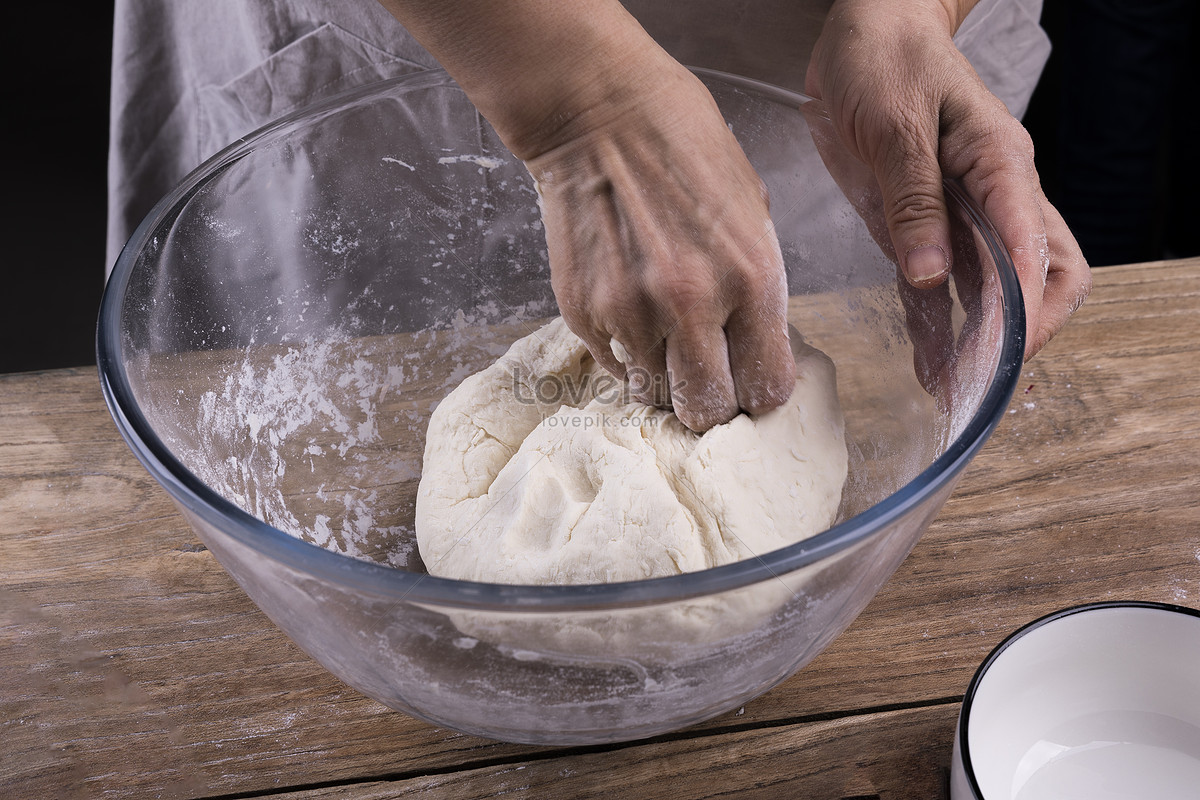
[(540, 470)]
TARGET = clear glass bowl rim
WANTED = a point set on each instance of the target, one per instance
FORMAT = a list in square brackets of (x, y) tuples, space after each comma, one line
[(401, 586)]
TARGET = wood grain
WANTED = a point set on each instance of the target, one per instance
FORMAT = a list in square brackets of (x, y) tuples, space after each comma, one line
[(131, 666), (873, 756)]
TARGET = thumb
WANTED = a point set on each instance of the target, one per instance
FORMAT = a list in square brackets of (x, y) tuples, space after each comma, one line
[(910, 181)]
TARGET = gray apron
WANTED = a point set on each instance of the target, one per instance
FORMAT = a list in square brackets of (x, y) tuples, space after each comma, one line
[(191, 76)]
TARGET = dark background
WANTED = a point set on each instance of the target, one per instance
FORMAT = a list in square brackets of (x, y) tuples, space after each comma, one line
[(57, 123), (1114, 122)]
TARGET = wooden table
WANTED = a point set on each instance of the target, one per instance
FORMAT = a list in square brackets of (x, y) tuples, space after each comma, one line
[(132, 666)]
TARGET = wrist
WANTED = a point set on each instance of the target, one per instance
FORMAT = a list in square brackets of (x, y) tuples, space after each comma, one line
[(956, 12), (946, 15), (538, 70), (577, 90)]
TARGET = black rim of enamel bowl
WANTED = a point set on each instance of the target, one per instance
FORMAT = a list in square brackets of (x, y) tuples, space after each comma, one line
[(964, 717), (370, 577)]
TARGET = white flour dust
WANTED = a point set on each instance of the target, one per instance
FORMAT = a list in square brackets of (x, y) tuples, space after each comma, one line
[(323, 438), (295, 439), (487, 162)]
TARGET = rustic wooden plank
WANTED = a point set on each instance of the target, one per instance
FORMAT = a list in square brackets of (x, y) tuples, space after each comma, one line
[(891, 755), (131, 665)]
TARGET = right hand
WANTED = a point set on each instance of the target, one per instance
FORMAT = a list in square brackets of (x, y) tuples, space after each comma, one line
[(660, 238), (906, 103)]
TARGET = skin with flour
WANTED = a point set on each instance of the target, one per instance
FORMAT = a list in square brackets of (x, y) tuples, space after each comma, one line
[(521, 487)]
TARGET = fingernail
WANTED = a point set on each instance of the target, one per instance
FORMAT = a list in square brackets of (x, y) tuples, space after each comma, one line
[(926, 263)]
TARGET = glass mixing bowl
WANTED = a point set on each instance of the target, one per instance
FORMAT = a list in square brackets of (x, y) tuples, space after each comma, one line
[(276, 332)]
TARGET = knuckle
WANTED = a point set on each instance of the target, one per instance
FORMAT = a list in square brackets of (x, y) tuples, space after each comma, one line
[(755, 283), (1002, 150), (911, 178), (676, 292), (610, 316), (916, 205)]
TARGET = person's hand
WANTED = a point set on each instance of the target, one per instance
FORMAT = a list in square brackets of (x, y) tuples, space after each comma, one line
[(947, 358), (662, 254), (904, 101), (660, 240)]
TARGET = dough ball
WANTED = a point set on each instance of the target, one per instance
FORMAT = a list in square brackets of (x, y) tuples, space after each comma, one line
[(540, 470)]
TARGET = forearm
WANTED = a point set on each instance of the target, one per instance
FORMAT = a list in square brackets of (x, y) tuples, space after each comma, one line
[(533, 67)]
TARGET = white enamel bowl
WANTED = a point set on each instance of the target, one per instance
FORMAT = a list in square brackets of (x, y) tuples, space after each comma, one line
[(1097, 702)]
